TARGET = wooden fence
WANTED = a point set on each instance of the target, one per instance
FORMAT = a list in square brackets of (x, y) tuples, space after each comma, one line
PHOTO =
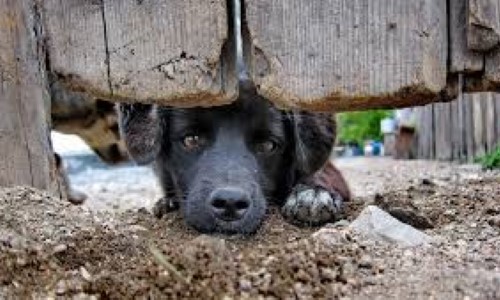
[(460, 130)]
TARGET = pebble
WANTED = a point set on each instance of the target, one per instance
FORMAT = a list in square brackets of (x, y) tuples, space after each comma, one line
[(60, 248), (377, 224), (85, 274)]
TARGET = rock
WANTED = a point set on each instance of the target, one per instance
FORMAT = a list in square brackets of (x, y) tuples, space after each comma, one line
[(378, 224), (85, 274), (333, 237), (60, 248)]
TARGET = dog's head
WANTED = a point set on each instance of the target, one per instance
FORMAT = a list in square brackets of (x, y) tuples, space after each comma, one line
[(226, 162)]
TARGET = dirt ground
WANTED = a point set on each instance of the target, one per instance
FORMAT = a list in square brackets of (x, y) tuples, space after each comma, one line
[(51, 249)]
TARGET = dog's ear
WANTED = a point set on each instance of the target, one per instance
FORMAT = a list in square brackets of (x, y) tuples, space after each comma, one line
[(141, 129), (314, 136)]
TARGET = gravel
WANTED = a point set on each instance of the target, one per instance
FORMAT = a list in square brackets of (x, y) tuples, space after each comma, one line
[(51, 249)]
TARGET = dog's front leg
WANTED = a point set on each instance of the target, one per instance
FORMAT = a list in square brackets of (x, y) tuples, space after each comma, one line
[(319, 199)]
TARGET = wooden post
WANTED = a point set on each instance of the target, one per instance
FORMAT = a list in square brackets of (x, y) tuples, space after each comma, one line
[(26, 156), (344, 54), (482, 40), (462, 59), (156, 51)]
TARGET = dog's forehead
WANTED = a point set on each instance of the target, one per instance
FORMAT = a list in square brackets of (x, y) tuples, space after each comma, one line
[(249, 109)]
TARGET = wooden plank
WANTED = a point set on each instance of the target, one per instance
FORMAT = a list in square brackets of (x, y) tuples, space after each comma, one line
[(489, 121), (469, 125), (455, 129), (77, 44), (462, 142), (462, 59), (422, 133), (497, 119), (345, 54), (156, 51), (442, 129), (27, 157), (483, 25), (429, 132), (170, 51), (420, 117), (478, 121), (447, 147), (492, 71), (438, 132)]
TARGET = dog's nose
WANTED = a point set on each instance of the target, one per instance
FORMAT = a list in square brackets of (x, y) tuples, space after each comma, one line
[(229, 204)]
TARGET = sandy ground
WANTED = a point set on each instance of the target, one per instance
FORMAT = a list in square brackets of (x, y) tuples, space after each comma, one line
[(111, 248)]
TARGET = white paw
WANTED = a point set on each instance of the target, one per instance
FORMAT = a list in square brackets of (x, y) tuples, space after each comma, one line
[(311, 206)]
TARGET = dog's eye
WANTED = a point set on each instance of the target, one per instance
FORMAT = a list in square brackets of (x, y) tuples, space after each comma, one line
[(193, 142), (267, 147)]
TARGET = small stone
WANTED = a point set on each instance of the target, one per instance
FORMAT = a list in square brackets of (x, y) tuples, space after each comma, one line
[(365, 262), (60, 248), (377, 224), (85, 274), (494, 221), (332, 236), (245, 285), (61, 288), (137, 228)]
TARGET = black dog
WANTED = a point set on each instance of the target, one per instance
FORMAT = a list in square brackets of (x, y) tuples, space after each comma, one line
[(223, 164)]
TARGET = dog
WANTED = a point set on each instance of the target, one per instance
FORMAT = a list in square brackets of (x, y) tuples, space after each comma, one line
[(95, 121), (222, 166)]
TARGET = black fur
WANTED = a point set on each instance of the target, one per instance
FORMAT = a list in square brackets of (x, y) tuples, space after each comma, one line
[(249, 150)]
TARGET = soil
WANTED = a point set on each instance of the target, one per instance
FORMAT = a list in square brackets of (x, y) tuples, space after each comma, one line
[(52, 249)]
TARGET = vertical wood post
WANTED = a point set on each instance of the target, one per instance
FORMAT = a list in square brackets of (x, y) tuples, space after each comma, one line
[(26, 156)]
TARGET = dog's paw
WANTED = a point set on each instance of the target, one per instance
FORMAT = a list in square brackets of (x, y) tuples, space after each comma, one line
[(312, 206), (164, 206)]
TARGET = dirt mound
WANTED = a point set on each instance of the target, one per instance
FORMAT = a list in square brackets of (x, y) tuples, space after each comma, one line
[(49, 248)]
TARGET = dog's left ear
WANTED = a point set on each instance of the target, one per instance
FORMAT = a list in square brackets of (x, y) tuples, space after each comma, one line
[(314, 137), (141, 129)]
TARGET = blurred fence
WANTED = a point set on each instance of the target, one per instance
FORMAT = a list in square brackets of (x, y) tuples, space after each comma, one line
[(460, 130)]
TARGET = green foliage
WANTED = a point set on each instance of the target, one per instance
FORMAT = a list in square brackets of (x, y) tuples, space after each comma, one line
[(361, 125), (490, 160)]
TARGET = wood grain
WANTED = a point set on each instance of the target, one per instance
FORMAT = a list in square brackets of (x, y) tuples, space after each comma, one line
[(336, 54), (26, 152), (155, 51), (483, 25), (462, 59)]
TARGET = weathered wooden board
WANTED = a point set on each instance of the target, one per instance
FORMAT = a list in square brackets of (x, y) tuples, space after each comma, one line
[(455, 130), (462, 59), (483, 24), (325, 54), (497, 121), (76, 44), (170, 52), (26, 153), (479, 126), (492, 70), (491, 136), (442, 127), (460, 130)]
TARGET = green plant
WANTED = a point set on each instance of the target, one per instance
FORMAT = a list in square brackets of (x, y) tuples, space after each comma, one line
[(490, 160), (356, 127)]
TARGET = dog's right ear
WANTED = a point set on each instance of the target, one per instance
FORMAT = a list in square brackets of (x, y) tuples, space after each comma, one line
[(140, 128)]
